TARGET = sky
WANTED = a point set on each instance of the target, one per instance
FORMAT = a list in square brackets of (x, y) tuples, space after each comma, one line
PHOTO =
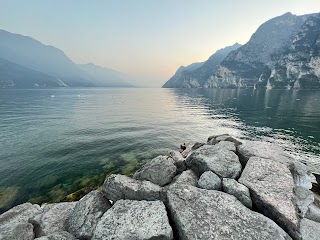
[(145, 39)]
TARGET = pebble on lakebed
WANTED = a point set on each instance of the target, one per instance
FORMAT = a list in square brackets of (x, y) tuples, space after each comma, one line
[(257, 192)]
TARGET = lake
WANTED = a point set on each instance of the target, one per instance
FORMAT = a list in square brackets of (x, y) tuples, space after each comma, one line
[(56, 141)]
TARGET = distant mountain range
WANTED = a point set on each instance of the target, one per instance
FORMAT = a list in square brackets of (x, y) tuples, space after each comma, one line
[(284, 52), (27, 63), (196, 74)]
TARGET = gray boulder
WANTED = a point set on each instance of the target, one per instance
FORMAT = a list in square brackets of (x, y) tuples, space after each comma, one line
[(138, 220), (14, 223), (187, 177), (300, 172), (238, 190), (119, 186), (226, 146), (313, 213), (310, 230), (271, 185), (52, 219), (58, 236), (224, 163), (210, 214), (259, 149), (212, 140), (303, 199), (209, 180), (86, 214), (160, 170), (178, 160)]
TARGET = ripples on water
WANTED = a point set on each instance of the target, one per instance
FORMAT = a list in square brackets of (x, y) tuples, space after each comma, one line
[(53, 141)]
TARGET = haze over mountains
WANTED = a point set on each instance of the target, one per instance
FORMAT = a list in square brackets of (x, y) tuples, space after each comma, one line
[(26, 62), (284, 52), (196, 74)]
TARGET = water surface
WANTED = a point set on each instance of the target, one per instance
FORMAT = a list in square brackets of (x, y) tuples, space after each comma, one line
[(56, 141)]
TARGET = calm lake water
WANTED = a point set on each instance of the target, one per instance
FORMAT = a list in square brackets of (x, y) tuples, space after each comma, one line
[(54, 142)]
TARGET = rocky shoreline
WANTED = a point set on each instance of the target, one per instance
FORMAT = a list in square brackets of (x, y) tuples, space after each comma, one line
[(222, 189)]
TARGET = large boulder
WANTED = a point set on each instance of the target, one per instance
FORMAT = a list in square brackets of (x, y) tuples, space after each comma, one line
[(178, 160), (313, 213), (225, 145), (160, 170), (58, 236), (119, 186), (300, 172), (238, 190), (212, 140), (310, 230), (186, 177), (139, 220), (14, 223), (209, 214), (210, 181), (260, 149), (222, 162), (272, 191), (303, 199), (86, 214), (52, 219)]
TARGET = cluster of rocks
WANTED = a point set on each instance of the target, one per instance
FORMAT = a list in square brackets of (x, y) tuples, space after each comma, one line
[(223, 189)]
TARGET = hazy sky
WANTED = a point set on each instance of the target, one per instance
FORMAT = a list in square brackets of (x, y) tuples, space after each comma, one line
[(146, 39)]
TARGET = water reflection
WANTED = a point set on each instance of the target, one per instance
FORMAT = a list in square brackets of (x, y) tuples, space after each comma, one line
[(289, 118), (50, 147)]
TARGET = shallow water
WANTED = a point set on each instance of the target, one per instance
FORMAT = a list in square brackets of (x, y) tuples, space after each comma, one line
[(54, 141)]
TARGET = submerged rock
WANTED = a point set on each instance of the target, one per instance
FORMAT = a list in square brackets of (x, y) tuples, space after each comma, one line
[(139, 220), (210, 181), (86, 214), (222, 162), (58, 236), (271, 185), (160, 170), (119, 186), (52, 219), (14, 223), (209, 214), (238, 190)]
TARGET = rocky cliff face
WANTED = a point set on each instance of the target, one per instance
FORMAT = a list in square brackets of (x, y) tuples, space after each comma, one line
[(279, 44), (299, 67), (196, 74)]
